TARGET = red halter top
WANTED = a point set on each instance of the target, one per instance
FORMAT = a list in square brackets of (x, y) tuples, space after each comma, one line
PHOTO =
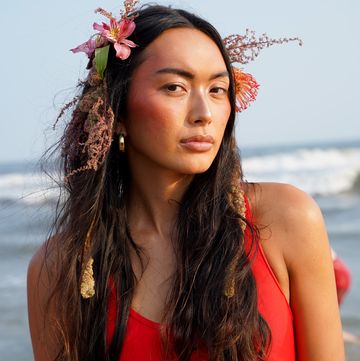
[(142, 339)]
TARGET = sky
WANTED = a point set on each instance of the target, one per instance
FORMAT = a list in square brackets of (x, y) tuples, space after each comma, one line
[(307, 94)]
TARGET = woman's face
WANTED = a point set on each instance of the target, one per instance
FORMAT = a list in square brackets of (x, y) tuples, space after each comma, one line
[(178, 103)]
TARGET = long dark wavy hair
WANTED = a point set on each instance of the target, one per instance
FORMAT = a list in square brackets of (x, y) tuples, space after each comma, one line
[(208, 238)]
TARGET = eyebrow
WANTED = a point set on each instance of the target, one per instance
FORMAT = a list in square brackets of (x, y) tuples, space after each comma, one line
[(187, 74)]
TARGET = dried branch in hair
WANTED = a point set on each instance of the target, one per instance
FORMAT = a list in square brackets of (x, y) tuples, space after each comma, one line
[(245, 48), (64, 109), (129, 6), (98, 125)]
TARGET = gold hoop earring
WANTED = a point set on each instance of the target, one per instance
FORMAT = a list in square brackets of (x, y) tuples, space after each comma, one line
[(121, 143)]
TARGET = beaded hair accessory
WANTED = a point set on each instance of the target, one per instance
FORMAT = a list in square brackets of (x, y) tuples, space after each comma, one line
[(89, 135)]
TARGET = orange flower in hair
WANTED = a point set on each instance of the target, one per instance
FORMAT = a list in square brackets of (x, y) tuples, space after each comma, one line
[(246, 89), (242, 49)]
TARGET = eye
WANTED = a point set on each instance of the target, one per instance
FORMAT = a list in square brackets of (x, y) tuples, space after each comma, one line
[(174, 88), (219, 90)]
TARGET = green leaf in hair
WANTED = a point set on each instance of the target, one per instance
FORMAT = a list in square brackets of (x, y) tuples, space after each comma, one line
[(101, 59)]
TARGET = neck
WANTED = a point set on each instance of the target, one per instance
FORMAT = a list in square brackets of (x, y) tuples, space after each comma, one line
[(153, 199)]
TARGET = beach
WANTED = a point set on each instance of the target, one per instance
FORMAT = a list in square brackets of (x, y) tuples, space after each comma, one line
[(329, 172)]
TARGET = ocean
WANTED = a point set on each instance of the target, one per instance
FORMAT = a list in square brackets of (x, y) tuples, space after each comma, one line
[(329, 172)]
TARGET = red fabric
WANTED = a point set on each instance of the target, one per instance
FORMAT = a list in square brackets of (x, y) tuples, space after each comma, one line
[(342, 278), (142, 339)]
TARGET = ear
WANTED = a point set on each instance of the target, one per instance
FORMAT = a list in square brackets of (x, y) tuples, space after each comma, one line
[(120, 127)]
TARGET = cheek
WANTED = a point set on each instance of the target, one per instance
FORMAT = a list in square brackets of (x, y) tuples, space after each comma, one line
[(152, 116), (222, 115)]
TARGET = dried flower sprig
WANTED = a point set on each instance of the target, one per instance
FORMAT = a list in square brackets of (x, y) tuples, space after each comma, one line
[(130, 8), (64, 109), (89, 134), (245, 48)]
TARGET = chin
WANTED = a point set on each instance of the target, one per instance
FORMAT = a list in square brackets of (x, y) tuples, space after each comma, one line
[(196, 163), (192, 168)]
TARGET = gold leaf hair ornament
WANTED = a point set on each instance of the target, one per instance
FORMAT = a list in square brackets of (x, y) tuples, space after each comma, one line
[(87, 284), (243, 49)]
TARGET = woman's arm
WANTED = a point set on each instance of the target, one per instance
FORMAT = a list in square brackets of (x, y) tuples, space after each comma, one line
[(43, 338), (295, 242), (307, 256), (312, 287)]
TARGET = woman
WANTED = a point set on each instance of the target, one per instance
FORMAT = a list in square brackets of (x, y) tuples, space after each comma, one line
[(160, 250)]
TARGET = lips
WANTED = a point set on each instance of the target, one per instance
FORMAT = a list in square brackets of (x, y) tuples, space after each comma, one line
[(198, 143), (199, 139)]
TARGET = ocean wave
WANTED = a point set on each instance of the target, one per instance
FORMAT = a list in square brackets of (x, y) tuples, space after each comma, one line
[(356, 185), (12, 281), (27, 188), (316, 171)]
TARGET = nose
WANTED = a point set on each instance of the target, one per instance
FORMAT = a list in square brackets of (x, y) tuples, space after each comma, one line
[(200, 112)]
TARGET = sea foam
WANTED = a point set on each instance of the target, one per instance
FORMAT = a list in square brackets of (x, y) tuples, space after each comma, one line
[(316, 171)]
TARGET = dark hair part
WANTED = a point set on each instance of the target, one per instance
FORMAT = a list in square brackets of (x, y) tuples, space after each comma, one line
[(207, 240)]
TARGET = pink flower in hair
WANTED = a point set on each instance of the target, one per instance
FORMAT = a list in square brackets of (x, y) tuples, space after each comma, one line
[(117, 33), (88, 47)]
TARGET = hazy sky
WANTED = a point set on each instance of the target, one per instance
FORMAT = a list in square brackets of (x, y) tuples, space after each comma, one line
[(308, 93)]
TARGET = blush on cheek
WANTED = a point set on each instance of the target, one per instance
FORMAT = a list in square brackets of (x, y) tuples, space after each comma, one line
[(154, 116)]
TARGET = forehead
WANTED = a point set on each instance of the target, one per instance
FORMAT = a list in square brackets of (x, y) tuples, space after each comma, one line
[(189, 48)]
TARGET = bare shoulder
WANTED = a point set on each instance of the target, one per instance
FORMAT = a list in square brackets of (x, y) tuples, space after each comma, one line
[(42, 264), (36, 264), (40, 273), (292, 217), (280, 198)]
